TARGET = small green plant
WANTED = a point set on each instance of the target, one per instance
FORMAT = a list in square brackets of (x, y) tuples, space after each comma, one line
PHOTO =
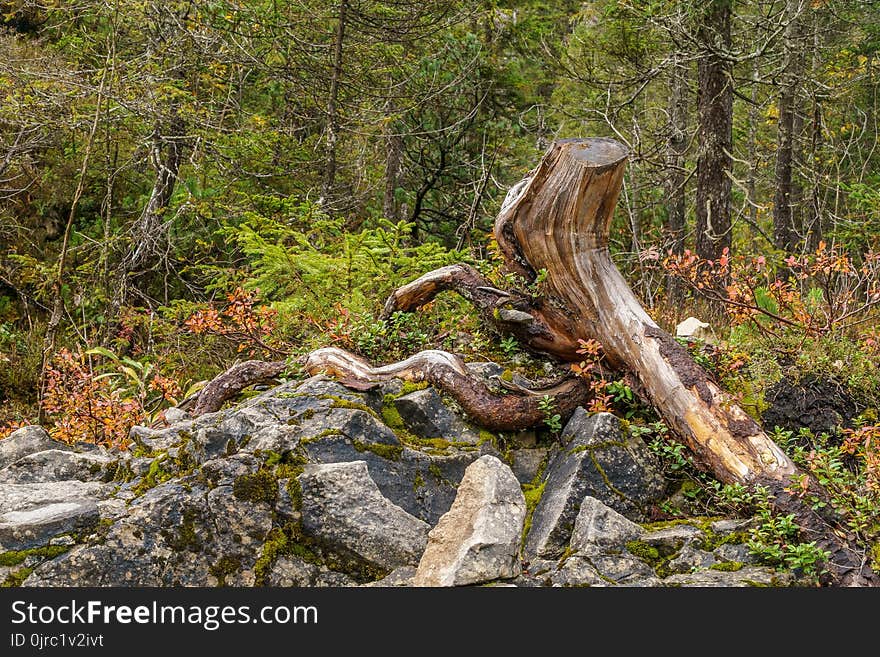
[(552, 420), (400, 334), (509, 345), (776, 541)]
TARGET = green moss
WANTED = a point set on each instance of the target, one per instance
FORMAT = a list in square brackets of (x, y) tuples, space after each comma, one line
[(186, 537), (435, 470), (15, 557), (486, 436), (647, 553), (307, 414), (506, 375), (409, 386), (156, 475), (339, 402), (418, 481), (14, 580), (283, 541), (261, 486), (123, 473), (391, 418), (727, 566), (386, 451), (533, 493), (227, 565), (294, 490)]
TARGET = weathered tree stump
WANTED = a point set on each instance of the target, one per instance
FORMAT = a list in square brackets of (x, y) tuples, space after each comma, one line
[(557, 221)]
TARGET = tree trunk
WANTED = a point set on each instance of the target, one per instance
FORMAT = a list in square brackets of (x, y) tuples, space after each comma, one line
[(332, 105), (715, 107), (558, 220), (676, 147), (786, 233)]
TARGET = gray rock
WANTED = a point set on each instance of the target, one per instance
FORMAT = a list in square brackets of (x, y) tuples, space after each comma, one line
[(56, 465), (112, 509), (597, 460), (734, 552), (343, 509), (19, 497), (478, 539), (527, 463), (732, 525), (672, 539), (578, 571), (747, 576), (177, 534), (691, 559), (424, 413), (175, 414), (612, 569), (599, 526), (20, 530), (25, 441), (402, 576), (291, 571)]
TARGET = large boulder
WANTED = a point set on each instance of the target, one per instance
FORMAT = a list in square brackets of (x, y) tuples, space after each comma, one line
[(343, 510), (478, 539)]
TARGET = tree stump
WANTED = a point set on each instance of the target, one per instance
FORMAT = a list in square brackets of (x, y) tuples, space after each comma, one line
[(557, 221)]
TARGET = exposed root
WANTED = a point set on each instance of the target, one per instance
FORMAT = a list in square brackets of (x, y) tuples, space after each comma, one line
[(228, 385), (448, 373)]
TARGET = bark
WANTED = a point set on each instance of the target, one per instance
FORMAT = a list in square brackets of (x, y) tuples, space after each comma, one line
[(507, 412), (786, 228), (676, 147), (393, 149), (715, 109), (333, 102), (228, 385)]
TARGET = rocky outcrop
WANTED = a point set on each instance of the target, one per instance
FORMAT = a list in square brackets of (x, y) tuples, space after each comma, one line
[(312, 484), (478, 540)]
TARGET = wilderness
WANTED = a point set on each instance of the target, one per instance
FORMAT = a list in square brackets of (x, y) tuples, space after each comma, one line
[(364, 293)]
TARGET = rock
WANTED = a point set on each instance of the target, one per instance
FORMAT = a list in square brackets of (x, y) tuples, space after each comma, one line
[(690, 559), (731, 525), (478, 539), (527, 463), (19, 497), (20, 530), (175, 414), (424, 414), (577, 571), (604, 570), (25, 441), (734, 553), (598, 526), (696, 329), (402, 576), (598, 460), (290, 571), (343, 509), (671, 539), (55, 465), (746, 576), (177, 534)]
